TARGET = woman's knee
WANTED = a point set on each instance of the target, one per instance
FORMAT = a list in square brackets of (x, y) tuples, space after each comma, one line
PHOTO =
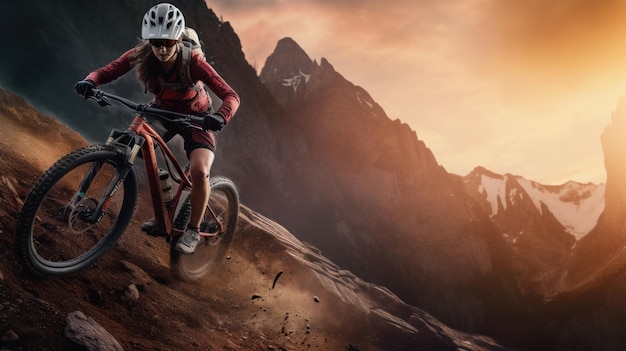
[(200, 164), (199, 173)]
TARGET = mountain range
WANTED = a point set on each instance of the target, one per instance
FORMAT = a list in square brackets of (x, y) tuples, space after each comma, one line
[(535, 267)]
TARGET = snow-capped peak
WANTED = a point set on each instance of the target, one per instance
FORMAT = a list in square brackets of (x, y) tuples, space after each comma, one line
[(575, 205), (495, 190), (296, 80)]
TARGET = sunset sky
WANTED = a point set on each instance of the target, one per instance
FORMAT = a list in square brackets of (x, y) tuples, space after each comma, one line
[(523, 87)]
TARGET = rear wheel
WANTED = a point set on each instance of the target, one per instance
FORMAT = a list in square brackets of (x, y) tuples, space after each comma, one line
[(211, 250), (76, 211)]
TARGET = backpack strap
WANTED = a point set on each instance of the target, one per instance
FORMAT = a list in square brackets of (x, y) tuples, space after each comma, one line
[(186, 63), (186, 82)]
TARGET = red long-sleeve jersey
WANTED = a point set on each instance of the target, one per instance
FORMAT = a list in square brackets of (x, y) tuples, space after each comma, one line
[(179, 100)]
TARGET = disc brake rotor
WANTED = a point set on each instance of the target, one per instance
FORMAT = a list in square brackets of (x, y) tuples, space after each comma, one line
[(77, 219)]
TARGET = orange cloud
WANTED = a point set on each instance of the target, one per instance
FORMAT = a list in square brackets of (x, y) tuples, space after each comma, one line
[(524, 76), (559, 43)]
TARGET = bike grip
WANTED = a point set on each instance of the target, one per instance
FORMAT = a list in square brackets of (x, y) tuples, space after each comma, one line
[(85, 87), (213, 122)]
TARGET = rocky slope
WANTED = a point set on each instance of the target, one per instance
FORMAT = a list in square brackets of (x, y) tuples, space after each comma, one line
[(314, 305)]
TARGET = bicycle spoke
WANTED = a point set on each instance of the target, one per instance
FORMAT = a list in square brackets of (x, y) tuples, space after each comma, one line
[(64, 227)]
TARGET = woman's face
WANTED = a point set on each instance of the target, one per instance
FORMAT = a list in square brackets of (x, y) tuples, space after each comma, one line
[(163, 49)]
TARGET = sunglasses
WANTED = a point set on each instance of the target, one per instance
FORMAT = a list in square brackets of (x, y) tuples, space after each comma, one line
[(157, 43)]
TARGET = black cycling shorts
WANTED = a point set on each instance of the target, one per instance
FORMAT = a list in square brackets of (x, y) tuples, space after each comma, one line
[(194, 138)]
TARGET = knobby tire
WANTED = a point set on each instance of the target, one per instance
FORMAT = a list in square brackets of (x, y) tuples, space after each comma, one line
[(53, 237), (211, 251)]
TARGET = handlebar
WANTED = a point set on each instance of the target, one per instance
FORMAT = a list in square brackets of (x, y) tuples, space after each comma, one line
[(102, 97)]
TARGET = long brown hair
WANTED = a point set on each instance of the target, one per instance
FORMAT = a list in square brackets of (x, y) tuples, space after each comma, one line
[(148, 68)]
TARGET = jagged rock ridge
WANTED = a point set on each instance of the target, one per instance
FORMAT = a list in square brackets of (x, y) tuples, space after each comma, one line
[(541, 223), (398, 217)]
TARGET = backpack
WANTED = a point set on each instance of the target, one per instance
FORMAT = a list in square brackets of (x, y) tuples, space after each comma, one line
[(191, 42)]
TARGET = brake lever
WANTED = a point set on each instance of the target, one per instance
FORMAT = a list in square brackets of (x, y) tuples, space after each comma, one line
[(98, 95), (185, 122), (103, 101)]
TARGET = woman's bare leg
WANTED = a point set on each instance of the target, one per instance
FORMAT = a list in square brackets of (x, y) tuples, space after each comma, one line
[(200, 162)]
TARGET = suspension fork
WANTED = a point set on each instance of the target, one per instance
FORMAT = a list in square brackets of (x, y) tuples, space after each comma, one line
[(127, 144), (107, 197)]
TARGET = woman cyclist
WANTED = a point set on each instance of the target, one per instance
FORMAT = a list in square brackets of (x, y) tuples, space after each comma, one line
[(159, 62)]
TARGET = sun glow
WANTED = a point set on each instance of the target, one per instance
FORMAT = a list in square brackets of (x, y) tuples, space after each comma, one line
[(517, 87)]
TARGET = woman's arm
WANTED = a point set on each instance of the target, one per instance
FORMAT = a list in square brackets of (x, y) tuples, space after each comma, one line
[(202, 70), (113, 70)]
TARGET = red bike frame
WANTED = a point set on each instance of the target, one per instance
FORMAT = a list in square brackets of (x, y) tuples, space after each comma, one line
[(162, 215)]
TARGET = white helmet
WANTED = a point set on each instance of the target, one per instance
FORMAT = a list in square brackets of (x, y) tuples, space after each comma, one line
[(163, 21)]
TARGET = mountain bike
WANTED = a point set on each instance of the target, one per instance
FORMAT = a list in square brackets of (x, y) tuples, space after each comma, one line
[(79, 208)]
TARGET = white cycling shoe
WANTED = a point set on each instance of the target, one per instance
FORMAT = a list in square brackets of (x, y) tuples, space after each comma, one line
[(188, 241)]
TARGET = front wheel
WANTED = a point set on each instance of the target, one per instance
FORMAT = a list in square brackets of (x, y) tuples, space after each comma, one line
[(76, 211), (211, 250)]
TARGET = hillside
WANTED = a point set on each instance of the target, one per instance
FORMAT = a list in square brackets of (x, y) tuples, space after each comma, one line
[(314, 305)]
